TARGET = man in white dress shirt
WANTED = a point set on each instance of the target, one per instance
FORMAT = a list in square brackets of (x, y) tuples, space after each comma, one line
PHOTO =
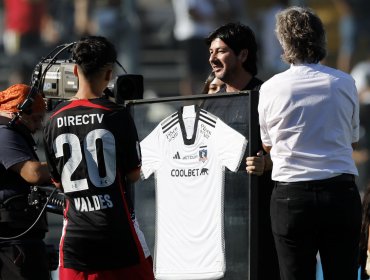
[(309, 119)]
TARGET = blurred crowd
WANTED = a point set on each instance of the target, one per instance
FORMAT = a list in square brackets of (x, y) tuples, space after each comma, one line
[(30, 29)]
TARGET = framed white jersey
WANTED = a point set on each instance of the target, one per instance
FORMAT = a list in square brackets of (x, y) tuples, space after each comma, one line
[(188, 152)]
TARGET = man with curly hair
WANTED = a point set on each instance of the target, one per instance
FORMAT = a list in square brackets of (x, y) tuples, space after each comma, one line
[(309, 120)]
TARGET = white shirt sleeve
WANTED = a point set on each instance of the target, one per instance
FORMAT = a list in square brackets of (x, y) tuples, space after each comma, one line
[(230, 145), (265, 137), (151, 153), (356, 119)]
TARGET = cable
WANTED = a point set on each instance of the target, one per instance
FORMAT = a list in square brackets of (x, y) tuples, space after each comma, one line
[(120, 65), (36, 79), (34, 223)]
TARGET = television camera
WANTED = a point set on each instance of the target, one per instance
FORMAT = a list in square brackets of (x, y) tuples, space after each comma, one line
[(54, 77), (59, 82)]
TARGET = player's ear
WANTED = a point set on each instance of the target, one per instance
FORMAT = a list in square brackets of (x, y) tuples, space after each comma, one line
[(75, 72), (108, 75)]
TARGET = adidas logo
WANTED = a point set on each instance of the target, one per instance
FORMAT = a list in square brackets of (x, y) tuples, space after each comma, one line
[(176, 156)]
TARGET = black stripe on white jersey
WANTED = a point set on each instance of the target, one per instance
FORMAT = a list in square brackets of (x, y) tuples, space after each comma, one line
[(207, 118), (169, 119), (170, 122)]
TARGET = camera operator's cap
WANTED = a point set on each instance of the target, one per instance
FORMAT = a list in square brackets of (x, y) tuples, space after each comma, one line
[(15, 95)]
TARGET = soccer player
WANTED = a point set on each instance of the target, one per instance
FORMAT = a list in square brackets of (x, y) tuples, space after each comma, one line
[(92, 147)]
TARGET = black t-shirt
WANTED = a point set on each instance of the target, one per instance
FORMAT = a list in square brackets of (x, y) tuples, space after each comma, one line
[(17, 146), (234, 112), (13, 149), (90, 146)]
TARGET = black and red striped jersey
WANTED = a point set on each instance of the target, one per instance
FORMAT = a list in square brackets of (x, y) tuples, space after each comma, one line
[(90, 146)]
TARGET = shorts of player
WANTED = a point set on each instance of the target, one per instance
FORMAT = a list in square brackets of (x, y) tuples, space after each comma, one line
[(142, 271)]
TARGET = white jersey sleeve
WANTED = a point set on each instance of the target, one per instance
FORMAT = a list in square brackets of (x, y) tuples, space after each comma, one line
[(230, 145), (150, 150)]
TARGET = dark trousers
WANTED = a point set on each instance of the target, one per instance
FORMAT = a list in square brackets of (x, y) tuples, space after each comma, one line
[(24, 260), (317, 216)]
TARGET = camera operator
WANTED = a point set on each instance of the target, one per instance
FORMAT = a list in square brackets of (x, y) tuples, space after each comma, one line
[(22, 256)]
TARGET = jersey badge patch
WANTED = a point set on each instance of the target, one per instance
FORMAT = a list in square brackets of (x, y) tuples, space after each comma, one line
[(203, 153)]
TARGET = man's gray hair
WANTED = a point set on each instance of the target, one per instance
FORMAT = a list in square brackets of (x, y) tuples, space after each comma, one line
[(301, 34)]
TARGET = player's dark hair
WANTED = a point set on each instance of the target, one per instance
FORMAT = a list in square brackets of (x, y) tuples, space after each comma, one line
[(238, 37), (93, 53)]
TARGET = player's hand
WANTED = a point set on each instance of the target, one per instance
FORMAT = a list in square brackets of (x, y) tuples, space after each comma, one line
[(256, 164), (58, 185)]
